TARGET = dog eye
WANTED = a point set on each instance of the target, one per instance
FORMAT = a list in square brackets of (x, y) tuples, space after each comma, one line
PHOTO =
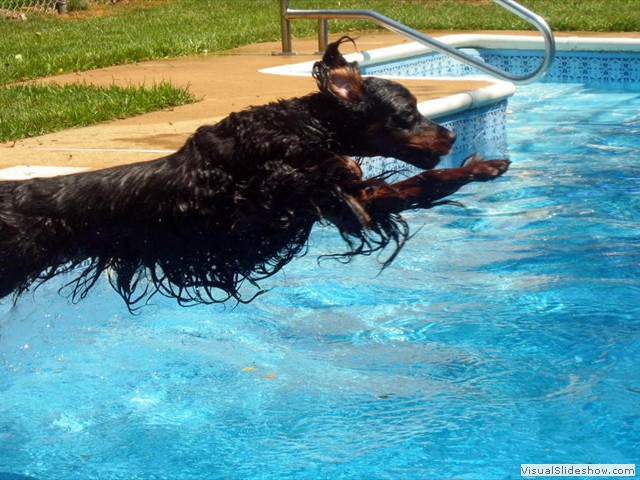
[(405, 121)]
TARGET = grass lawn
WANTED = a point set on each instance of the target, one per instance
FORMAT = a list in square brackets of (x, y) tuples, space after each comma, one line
[(29, 110), (137, 30)]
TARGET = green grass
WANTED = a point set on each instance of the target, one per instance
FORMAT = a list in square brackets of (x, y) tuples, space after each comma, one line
[(148, 29), (29, 110)]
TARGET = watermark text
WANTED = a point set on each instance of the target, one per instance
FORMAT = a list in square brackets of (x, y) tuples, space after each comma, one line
[(577, 470)]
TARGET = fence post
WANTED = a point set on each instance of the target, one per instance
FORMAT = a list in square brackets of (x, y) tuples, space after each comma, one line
[(285, 27), (323, 35), (61, 6)]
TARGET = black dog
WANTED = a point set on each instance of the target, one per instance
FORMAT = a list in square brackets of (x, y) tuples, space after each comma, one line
[(237, 202)]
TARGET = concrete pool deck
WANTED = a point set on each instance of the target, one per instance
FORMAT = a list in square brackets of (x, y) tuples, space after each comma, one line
[(225, 81)]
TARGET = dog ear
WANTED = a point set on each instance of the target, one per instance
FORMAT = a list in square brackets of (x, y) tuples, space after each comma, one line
[(337, 77)]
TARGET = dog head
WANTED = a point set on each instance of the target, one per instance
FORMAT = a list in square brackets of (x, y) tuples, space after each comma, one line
[(382, 115)]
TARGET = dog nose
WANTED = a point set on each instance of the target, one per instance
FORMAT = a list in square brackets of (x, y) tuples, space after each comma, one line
[(449, 135)]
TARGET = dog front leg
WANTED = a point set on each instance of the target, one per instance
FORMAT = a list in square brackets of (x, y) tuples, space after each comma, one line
[(426, 188)]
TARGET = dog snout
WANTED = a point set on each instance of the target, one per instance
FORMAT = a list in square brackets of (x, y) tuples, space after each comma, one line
[(449, 135)]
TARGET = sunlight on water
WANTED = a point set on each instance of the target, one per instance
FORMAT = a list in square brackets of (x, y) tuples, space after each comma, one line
[(506, 332)]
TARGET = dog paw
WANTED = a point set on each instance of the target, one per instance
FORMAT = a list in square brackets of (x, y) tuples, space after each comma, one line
[(487, 169)]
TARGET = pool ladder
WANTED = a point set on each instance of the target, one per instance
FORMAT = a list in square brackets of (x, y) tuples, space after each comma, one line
[(287, 14)]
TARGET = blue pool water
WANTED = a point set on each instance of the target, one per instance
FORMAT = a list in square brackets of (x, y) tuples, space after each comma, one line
[(506, 332)]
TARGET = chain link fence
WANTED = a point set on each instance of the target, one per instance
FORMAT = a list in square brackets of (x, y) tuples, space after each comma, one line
[(60, 6), (39, 5)]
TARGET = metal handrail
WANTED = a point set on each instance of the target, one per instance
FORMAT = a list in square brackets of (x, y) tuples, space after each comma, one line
[(288, 14)]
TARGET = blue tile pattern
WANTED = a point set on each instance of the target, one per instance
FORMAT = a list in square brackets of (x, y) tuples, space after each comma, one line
[(597, 68), (482, 130), (589, 68), (433, 65)]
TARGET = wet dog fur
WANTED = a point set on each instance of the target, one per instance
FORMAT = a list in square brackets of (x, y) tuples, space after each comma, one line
[(237, 202)]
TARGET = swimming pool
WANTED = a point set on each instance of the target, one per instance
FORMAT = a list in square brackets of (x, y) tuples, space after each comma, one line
[(506, 332)]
